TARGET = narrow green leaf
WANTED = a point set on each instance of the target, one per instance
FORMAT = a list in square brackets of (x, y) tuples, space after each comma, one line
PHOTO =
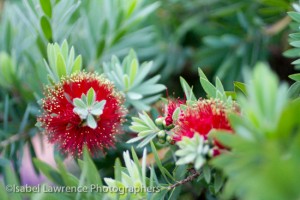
[(158, 161), (3, 192), (148, 139), (219, 87), (176, 113), (69, 179), (65, 50), (295, 16), (294, 90), (296, 62), (131, 8), (48, 171), (46, 7), (93, 175), (79, 103), (11, 179), (97, 109), (133, 70), (61, 66), (133, 140), (209, 88), (207, 173), (91, 122), (46, 28), (77, 64), (187, 90), (139, 128), (100, 48), (134, 95), (295, 77), (218, 182), (239, 86), (91, 96)]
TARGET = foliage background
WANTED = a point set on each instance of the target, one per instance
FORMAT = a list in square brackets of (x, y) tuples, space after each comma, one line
[(223, 38)]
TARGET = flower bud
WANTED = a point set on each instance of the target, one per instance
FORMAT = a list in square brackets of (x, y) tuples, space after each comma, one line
[(169, 139), (159, 121), (161, 134)]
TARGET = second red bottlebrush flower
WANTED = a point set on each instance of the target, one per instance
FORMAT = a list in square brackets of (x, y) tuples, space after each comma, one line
[(172, 105), (201, 118), (84, 109)]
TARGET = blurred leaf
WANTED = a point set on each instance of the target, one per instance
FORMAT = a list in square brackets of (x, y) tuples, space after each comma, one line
[(295, 77), (188, 91), (46, 28), (47, 7), (48, 171)]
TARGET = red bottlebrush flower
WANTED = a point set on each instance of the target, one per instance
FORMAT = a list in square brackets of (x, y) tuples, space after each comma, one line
[(82, 110), (201, 118), (170, 108)]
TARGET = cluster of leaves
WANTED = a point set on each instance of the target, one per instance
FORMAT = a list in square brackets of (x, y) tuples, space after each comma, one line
[(262, 161), (294, 91), (129, 77)]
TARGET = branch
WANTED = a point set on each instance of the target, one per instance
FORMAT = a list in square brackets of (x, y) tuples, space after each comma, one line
[(194, 175), (278, 26), (12, 139)]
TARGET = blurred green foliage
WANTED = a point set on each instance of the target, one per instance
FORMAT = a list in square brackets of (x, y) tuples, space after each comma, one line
[(224, 38), (264, 150)]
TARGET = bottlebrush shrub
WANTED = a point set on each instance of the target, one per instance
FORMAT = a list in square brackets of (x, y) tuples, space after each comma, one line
[(239, 144)]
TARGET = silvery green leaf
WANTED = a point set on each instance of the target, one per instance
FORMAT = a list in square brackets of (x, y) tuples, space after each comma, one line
[(147, 89), (134, 66), (207, 173), (176, 114), (133, 140), (77, 64), (139, 104), (191, 151), (84, 99), (91, 122), (181, 161), (146, 141), (199, 162), (110, 181), (142, 73), (126, 81), (126, 180), (188, 91), (83, 113), (145, 117), (98, 107), (79, 103), (139, 128), (134, 95), (61, 66), (188, 158), (91, 97), (218, 182), (145, 133)]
